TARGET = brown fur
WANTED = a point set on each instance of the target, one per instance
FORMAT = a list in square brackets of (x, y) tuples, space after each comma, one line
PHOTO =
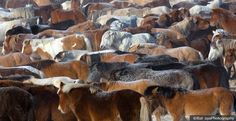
[(124, 105), (14, 59), (181, 53), (180, 103), (225, 19), (45, 99), (95, 37), (16, 104), (59, 15), (73, 69), (82, 27), (14, 43)]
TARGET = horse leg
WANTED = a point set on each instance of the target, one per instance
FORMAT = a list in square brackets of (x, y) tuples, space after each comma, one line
[(158, 112), (226, 105)]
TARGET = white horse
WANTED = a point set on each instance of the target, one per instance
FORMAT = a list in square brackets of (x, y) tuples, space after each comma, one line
[(221, 40), (120, 40), (197, 9)]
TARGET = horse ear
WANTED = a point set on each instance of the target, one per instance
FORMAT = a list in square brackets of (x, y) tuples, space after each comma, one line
[(155, 90), (27, 42), (214, 32), (58, 84), (151, 90)]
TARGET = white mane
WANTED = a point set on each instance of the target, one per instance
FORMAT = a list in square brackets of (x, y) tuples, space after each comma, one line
[(51, 81), (32, 69), (69, 86)]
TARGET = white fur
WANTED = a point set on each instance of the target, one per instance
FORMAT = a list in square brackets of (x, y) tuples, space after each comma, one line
[(195, 10), (66, 5), (69, 86), (51, 81), (32, 69), (121, 40)]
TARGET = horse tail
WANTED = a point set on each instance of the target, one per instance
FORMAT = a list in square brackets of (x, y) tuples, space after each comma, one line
[(145, 114), (201, 56)]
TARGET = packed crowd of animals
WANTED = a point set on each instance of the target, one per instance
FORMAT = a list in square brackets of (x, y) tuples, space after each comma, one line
[(116, 60)]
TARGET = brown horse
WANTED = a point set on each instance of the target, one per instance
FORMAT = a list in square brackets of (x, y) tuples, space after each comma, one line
[(14, 43), (16, 105), (95, 37), (230, 57), (59, 15), (72, 69), (182, 103), (82, 27), (92, 104), (14, 59), (181, 53), (224, 19), (45, 101), (109, 56)]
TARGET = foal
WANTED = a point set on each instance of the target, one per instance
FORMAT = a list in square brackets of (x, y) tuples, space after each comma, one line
[(182, 103)]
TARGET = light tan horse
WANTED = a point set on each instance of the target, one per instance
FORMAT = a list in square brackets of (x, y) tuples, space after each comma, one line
[(181, 53), (14, 59)]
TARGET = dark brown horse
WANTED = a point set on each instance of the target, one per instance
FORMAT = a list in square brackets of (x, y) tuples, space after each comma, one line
[(92, 104), (16, 105), (45, 101), (182, 103)]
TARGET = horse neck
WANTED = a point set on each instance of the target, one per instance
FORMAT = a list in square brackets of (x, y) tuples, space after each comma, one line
[(183, 27)]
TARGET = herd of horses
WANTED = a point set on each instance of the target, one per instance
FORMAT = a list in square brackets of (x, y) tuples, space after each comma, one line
[(112, 60)]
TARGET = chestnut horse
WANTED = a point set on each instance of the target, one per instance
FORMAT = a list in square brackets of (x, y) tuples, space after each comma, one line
[(72, 69), (92, 104), (59, 15), (225, 19), (182, 103), (14, 59)]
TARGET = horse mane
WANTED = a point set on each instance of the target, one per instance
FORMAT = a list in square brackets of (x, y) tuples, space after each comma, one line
[(69, 86), (41, 64), (167, 92)]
